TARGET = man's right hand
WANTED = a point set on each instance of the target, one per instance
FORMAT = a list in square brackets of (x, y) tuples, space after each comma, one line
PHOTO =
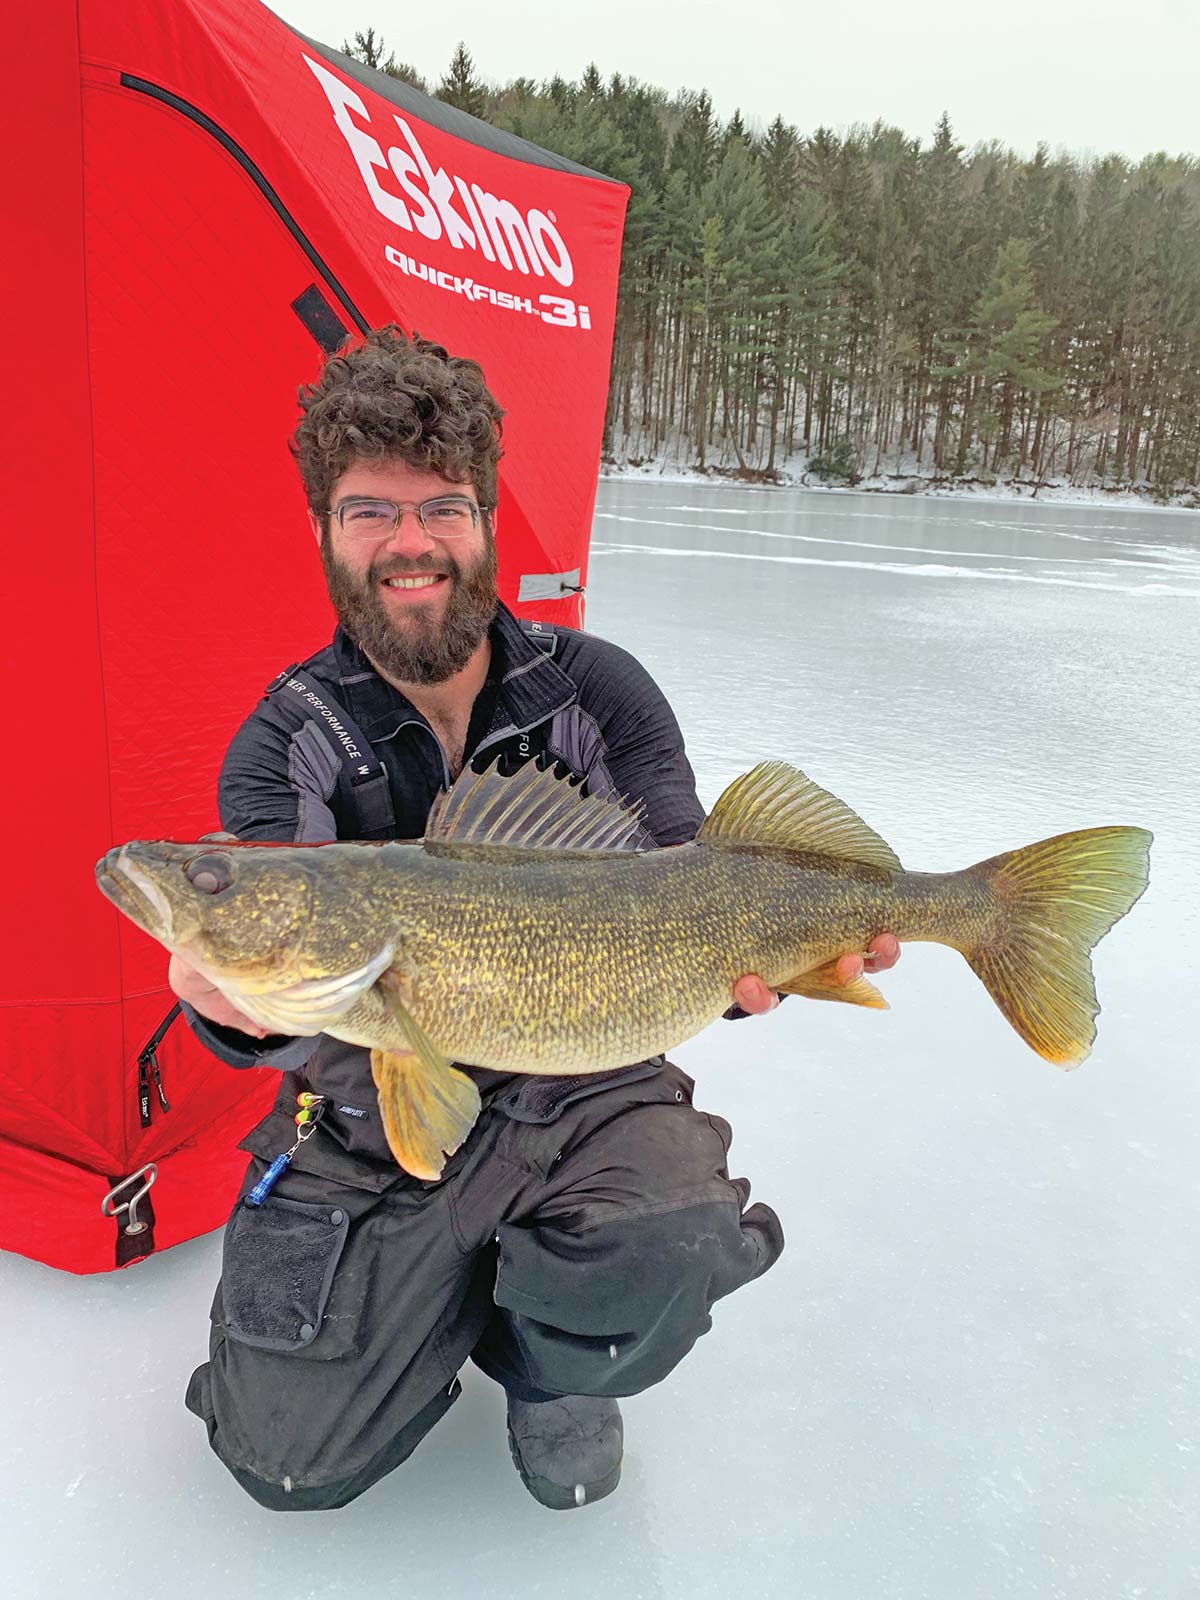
[(208, 1000)]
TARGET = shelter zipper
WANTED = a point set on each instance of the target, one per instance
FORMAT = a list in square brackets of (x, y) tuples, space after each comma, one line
[(148, 1069), (302, 307)]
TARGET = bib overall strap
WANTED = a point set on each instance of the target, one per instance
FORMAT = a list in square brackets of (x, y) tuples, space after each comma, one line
[(363, 778)]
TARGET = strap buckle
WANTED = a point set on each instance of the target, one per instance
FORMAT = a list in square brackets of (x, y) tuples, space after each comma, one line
[(278, 682)]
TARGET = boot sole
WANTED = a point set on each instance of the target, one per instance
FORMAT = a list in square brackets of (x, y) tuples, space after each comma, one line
[(555, 1496)]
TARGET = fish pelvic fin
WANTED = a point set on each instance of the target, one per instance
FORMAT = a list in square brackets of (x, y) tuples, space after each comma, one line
[(822, 983), (1057, 900), (776, 807), (427, 1106)]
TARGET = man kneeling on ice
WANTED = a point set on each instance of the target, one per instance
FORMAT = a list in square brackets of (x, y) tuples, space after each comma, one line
[(574, 1244)]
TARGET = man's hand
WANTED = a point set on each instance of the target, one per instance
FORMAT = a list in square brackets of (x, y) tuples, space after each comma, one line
[(208, 1000), (752, 994)]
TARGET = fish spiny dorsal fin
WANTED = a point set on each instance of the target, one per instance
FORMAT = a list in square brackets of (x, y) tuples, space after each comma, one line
[(775, 807), (531, 810)]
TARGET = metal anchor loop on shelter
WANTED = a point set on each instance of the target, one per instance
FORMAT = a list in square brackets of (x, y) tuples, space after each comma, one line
[(110, 1206)]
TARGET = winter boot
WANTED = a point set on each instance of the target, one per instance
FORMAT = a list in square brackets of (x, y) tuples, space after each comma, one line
[(568, 1451)]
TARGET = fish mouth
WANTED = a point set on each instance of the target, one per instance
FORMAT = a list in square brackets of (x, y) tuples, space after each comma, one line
[(135, 893)]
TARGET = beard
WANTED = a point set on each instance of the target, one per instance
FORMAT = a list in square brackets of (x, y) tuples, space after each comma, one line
[(415, 648)]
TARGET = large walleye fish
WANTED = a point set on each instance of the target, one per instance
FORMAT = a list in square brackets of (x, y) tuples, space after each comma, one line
[(528, 932)]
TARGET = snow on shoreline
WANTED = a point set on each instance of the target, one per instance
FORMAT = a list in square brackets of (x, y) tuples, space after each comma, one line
[(1049, 494)]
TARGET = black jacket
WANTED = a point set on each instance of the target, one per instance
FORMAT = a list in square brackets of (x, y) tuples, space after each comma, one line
[(588, 704)]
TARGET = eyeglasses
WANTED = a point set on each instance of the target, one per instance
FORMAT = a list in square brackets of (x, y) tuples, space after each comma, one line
[(446, 516)]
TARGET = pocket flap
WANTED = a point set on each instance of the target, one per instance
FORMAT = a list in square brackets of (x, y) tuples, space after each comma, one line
[(322, 1155), (543, 1100), (277, 1270)]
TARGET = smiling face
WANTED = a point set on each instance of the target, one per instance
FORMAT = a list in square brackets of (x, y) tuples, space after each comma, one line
[(417, 604)]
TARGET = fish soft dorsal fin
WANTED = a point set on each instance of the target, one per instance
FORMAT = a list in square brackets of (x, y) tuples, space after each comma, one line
[(531, 810), (775, 807)]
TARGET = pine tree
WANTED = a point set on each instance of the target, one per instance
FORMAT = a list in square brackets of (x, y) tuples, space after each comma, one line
[(460, 87), (694, 147), (370, 51), (778, 160), (741, 240), (591, 85), (561, 92), (407, 73), (735, 132), (1002, 361)]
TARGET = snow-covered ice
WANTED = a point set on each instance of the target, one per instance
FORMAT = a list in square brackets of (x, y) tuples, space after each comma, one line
[(974, 1370)]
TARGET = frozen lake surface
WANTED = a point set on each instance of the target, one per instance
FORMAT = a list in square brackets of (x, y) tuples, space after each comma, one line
[(974, 1371)]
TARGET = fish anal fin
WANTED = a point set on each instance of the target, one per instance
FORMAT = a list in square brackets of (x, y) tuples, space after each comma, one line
[(823, 983), (776, 807)]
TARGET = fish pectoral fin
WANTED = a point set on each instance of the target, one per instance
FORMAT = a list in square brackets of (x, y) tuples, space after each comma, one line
[(426, 1116), (428, 1107), (822, 983)]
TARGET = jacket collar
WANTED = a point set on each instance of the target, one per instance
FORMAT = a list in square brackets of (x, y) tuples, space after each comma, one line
[(532, 687)]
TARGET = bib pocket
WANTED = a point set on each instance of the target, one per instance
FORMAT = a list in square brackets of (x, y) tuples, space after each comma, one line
[(277, 1271)]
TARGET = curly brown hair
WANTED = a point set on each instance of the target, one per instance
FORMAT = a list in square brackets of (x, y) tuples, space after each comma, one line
[(394, 397)]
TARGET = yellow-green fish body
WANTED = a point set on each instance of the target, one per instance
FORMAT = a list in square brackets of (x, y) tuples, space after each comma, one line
[(529, 933), (542, 967)]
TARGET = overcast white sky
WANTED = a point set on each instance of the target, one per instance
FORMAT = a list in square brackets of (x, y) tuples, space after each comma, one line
[(1089, 75)]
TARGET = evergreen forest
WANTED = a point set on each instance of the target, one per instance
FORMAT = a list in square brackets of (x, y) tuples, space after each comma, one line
[(864, 304)]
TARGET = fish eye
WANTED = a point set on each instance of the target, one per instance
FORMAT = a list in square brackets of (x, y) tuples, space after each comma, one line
[(209, 873)]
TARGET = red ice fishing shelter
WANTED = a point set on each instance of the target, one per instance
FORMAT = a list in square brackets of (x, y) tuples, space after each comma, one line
[(201, 201)]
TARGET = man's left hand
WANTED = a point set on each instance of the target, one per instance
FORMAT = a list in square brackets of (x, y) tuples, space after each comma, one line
[(753, 995)]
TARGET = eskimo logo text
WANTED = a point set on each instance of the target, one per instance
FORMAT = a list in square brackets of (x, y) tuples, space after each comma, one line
[(438, 204)]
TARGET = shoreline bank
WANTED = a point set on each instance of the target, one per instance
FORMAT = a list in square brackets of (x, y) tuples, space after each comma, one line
[(908, 488)]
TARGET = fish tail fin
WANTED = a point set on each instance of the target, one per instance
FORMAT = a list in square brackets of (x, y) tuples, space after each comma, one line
[(1052, 902)]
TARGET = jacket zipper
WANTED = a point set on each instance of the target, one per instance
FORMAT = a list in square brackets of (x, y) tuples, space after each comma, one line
[(417, 722)]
